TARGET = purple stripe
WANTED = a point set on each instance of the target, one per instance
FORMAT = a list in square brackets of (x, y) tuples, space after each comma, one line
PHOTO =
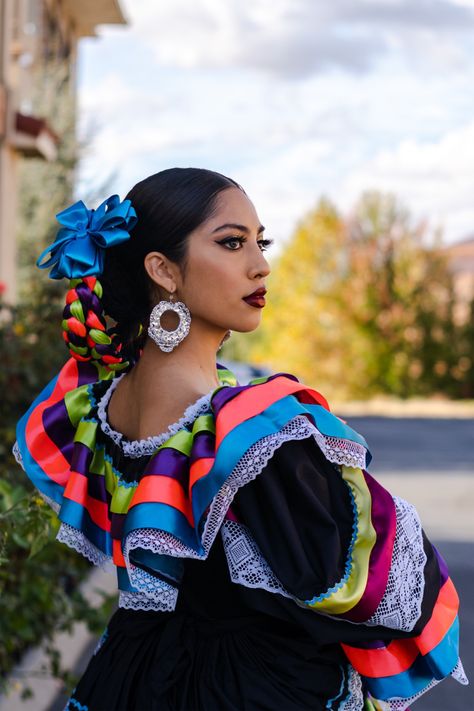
[(81, 458), (96, 487), (169, 462), (116, 525), (443, 568), (228, 393), (59, 429), (87, 373), (370, 644), (384, 522), (222, 396), (204, 447)]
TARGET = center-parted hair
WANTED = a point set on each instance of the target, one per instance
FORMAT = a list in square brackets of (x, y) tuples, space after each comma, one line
[(169, 205)]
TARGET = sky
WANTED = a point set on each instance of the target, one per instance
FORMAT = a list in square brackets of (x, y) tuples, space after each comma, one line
[(294, 99)]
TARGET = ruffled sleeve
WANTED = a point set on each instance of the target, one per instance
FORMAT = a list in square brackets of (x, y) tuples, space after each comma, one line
[(335, 542)]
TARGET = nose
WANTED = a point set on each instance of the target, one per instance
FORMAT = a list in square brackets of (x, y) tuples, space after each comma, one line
[(259, 265)]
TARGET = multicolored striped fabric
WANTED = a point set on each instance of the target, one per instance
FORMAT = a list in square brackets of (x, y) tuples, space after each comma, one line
[(158, 510)]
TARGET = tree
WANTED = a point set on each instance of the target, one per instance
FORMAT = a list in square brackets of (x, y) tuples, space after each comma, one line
[(362, 305)]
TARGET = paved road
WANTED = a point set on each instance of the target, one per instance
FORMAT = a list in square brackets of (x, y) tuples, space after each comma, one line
[(427, 445), (430, 462)]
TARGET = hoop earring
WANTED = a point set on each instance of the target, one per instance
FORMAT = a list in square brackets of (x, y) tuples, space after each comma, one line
[(168, 340)]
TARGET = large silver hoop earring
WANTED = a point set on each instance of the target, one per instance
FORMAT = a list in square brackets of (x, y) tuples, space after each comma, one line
[(168, 340)]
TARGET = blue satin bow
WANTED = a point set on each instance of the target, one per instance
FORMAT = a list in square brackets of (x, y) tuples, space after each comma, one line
[(78, 250)]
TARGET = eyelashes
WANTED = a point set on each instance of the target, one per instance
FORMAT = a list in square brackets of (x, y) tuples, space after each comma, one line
[(262, 243)]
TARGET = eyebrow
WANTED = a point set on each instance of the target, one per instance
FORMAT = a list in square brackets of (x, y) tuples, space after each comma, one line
[(234, 226)]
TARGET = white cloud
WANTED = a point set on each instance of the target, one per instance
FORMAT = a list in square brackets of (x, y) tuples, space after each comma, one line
[(435, 179), (296, 38)]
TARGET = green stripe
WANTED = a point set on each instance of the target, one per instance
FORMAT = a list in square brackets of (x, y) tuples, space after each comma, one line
[(77, 403), (121, 497), (204, 423), (86, 433)]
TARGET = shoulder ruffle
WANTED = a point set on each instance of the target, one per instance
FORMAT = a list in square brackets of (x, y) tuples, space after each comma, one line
[(175, 504)]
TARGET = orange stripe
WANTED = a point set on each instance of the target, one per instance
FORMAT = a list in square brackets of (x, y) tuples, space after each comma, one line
[(117, 555), (163, 490), (41, 447), (257, 398), (400, 654), (76, 490), (198, 469)]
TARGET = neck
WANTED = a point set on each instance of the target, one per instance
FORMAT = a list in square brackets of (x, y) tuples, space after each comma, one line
[(190, 366)]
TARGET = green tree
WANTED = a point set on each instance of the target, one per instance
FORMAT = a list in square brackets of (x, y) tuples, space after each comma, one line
[(363, 304)]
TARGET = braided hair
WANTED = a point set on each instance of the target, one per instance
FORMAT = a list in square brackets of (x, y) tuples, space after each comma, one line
[(169, 206)]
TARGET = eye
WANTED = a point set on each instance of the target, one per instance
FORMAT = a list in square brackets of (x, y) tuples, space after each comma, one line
[(264, 244), (230, 240)]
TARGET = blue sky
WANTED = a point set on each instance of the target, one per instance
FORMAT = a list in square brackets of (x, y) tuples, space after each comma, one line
[(292, 98)]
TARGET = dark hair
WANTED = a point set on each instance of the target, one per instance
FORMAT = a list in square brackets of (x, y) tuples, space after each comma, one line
[(169, 206)]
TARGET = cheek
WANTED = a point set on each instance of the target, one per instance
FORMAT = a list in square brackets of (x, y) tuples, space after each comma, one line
[(213, 279)]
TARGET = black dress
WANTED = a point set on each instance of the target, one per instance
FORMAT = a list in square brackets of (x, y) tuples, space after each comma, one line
[(280, 575)]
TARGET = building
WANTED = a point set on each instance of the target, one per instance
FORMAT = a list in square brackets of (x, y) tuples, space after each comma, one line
[(460, 257), (33, 32)]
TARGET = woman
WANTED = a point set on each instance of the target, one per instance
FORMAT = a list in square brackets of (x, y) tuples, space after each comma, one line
[(260, 567)]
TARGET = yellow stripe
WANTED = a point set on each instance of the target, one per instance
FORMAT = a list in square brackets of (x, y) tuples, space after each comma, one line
[(347, 596)]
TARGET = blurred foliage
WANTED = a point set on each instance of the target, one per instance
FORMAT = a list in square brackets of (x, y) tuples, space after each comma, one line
[(39, 578), (364, 305)]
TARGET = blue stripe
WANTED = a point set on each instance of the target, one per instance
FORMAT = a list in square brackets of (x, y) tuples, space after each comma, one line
[(78, 517), (437, 664), (163, 517), (236, 443)]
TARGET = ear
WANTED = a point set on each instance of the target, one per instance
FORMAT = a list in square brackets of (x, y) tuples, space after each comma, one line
[(161, 271)]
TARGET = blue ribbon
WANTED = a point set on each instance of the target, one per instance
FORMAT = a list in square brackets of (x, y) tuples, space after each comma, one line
[(78, 250)]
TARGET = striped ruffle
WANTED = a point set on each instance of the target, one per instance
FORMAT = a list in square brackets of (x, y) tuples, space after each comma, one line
[(174, 508)]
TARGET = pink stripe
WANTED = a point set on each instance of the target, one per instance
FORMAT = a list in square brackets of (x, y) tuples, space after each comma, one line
[(384, 523)]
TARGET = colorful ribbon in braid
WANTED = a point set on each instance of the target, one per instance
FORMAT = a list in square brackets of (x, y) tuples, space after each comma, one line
[(78, 253), (85, 329)]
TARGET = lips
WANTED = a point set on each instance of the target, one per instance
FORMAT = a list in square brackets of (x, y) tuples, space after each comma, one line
[(257, 298)]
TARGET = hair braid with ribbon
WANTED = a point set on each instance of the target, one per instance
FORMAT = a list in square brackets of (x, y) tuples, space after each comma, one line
[(78, 253), (85, 328)]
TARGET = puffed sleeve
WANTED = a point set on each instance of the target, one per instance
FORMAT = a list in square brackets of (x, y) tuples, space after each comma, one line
[(337, 543)]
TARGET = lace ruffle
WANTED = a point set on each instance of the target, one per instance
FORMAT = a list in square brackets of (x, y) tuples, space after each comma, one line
[(141, 601), (142, 447), (400, 606), (247, 469), (246, 564), (77, 540), (399, 704), (354, 700)]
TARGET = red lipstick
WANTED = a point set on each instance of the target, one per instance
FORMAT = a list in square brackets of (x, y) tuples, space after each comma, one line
[(256, 298)]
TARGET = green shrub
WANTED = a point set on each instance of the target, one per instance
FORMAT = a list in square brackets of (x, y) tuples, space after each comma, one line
[(39, 578)]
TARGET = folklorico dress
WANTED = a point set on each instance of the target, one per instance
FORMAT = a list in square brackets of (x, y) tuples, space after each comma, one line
[(260, 567)]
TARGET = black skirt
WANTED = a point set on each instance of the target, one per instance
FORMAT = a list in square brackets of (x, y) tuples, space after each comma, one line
[(225, 648)]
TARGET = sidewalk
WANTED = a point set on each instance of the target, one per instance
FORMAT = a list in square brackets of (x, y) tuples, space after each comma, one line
[(437, 408), (71, 645)]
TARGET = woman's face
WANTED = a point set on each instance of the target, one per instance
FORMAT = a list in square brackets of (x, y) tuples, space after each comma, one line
[(226, 263)]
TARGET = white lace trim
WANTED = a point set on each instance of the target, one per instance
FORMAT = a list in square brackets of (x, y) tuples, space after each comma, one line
[(77, 540), (246, 564), (400, 606), (396, 703), (141, 447), (246, 470), (354, 700), (140, 601), (459, 674), (17, 454)]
